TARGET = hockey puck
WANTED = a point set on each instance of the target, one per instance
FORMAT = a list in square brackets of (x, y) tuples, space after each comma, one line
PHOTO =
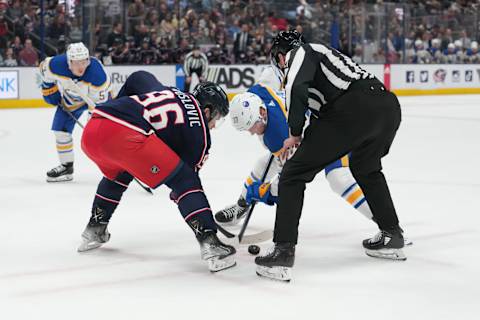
[(253, 249)]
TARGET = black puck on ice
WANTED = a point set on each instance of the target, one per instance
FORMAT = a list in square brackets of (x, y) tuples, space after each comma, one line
[(253, 249)]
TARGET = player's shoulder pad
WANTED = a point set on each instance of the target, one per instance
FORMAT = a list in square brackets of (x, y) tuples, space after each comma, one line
[(95, 74), (58, 66), (260, 91)]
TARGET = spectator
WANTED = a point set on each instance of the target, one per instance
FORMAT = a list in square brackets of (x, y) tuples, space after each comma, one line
[(141, 32), (241, 42), (218, 55), (136, 13), (3, 32), (57, 28), (16, 46), (465, 40), (29, 16), (116, 35), (28, 56), (147, 54), (179, 53), (10, 60), (136, 9), (357, 57), (168, 27), (164, 51), (15, 11)]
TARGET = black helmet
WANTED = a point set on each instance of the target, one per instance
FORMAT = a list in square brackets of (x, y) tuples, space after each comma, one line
[(211, 96), (284, 42)]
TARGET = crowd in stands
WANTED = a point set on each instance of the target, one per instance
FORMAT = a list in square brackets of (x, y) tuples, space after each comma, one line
[(241, 31)]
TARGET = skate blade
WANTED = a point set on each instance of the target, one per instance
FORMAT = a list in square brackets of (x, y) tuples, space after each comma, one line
[(64, 178), (216, 264), (89, 245), (390, 254), (275, 273)]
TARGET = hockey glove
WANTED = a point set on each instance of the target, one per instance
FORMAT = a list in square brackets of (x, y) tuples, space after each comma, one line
[(259, 191)]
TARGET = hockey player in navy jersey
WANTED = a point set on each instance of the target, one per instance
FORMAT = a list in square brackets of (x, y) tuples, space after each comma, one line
[(159, 135), (65, 78)]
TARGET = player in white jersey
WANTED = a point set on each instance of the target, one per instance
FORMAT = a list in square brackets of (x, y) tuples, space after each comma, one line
[(67, 81)]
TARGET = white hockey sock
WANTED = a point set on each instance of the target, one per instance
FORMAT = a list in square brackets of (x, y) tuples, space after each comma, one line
[(64, 143), (343, 183)]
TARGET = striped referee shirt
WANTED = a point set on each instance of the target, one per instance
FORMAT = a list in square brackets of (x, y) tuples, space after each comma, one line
[(316, 75), (193, 63)]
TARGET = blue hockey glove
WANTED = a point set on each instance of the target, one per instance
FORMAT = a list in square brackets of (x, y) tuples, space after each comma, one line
[(258, 191)]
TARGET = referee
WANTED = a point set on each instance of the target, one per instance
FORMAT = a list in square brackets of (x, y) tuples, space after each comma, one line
[(195, 62), (352, 113)]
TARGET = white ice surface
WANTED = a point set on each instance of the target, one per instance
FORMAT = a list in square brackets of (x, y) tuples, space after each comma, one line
[(151, 267)]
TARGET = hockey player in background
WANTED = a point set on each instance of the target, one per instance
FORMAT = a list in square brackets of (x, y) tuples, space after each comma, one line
[(422, 56), (159, 135), (63, 76), (473, 55), (450, 54)]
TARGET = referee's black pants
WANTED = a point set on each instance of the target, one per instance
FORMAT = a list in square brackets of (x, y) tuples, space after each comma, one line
[(188, 79), (363, 121)]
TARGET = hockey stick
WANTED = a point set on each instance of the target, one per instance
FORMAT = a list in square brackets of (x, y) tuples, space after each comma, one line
[(73, 86), (252, 238), (249, 214)]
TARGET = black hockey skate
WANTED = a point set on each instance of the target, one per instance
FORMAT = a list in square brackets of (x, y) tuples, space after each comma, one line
[(96, 233), (386, 245), (233, 214), (406, 241), (218, 255), (63, 172), (277, 263), (94, 236)]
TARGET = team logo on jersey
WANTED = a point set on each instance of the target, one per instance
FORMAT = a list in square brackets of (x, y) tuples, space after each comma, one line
[(439, 75), (154, 169), (246, 104)]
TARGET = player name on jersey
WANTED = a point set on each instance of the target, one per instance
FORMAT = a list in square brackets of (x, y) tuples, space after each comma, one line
[(191, 109)]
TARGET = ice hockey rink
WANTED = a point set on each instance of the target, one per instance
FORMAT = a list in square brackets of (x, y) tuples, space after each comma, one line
[(151, 268)]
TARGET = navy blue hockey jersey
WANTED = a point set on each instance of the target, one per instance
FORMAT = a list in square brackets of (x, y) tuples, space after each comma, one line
[(174, 116)]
